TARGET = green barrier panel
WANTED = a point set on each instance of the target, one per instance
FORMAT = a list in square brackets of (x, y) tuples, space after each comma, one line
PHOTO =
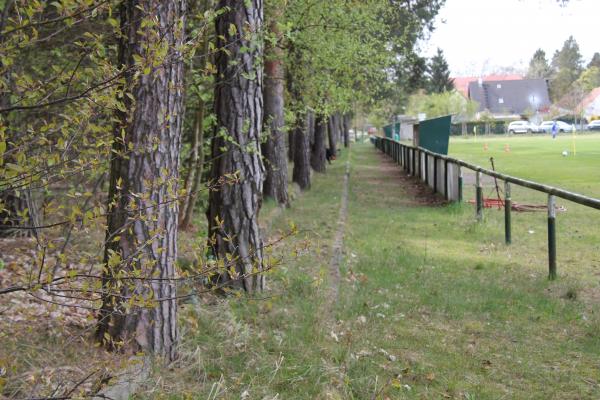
[(388, 130), (434, 134)]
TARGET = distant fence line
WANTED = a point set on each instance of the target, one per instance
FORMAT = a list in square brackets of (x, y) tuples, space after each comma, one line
[(491, 127), (479, 128), (444, 174)]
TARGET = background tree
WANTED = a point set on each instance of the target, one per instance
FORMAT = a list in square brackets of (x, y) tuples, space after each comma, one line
[(439, 104), (58, 66), (439, 74), (346, 121), (317, 154), (199, 81), (332, 133), (274, 146), (411, 73), (588, 80), (303, 133), (407, 23), (538, 66), (595, 61), (566, 68)]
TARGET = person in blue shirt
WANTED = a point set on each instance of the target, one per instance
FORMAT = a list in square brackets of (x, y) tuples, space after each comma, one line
[(554, 129)]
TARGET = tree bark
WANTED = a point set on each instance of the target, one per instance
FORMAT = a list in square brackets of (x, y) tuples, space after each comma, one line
[(301, 173), (141, 238), (340, 127), (332, 131), (273, 149), (290, 143), (310, 126), (235, 237), (346, 129), (317, 155)]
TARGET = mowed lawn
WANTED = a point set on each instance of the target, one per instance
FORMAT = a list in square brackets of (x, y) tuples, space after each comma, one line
[(539, 158)]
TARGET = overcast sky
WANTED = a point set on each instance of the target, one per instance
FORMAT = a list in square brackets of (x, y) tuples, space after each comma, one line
[(479, 36)]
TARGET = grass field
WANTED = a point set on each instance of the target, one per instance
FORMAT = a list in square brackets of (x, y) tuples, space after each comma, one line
[(432, 305), (539, 158)]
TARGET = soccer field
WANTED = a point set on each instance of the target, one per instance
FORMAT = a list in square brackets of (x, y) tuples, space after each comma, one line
[(538, 158)]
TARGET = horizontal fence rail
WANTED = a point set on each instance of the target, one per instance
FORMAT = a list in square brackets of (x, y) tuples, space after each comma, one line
[(444, 175)]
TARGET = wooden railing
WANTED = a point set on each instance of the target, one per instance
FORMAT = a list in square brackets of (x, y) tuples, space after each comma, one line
[(445, 175)]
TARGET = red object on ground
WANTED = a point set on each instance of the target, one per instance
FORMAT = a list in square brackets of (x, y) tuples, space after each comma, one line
[(497, 203)]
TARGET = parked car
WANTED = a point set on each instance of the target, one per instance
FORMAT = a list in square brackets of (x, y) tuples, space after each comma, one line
[(522, 127), (594, 125), (546, 126)]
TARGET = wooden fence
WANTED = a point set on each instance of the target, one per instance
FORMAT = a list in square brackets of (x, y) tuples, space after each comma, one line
[(444, 175)]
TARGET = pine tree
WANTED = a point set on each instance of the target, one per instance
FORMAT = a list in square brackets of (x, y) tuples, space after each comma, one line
[(439, 74), (595, 61), (141, 236), (235, 236), (538, 66), (566, 66)]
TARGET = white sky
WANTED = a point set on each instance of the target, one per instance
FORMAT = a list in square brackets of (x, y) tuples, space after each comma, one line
[(480, 36)]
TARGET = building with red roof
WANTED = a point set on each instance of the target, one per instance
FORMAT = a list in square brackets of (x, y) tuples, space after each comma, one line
[(461, 83)]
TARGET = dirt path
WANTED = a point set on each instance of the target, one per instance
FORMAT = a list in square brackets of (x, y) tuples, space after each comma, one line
[(417, 193), (338, 244)]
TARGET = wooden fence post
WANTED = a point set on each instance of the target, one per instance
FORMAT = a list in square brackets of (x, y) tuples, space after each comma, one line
[(507, 211), (479, 196), (551, 237), (460, 184), (426, 169), (435, 173), (446, 180)]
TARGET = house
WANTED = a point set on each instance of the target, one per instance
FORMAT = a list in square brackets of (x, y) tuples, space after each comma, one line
[(407, 127), (461, 83), (510, 99), (589, 107)]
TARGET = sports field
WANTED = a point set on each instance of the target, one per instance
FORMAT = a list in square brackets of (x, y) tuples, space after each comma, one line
[(538, 158)]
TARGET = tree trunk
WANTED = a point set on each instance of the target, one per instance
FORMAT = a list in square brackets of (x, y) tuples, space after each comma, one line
[(310, 126), (301, 174), (346, 129), (141, 239), (340, 127), (233, 207), (317, 155), (332, 133), (273, 149), (291, 142)]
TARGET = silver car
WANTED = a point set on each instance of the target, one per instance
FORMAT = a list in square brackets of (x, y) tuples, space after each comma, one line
[(546, 126), (594, 125), (522, 127)]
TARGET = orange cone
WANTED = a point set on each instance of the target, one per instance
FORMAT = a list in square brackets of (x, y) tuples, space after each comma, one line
[(485, 147), (507, 148)]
